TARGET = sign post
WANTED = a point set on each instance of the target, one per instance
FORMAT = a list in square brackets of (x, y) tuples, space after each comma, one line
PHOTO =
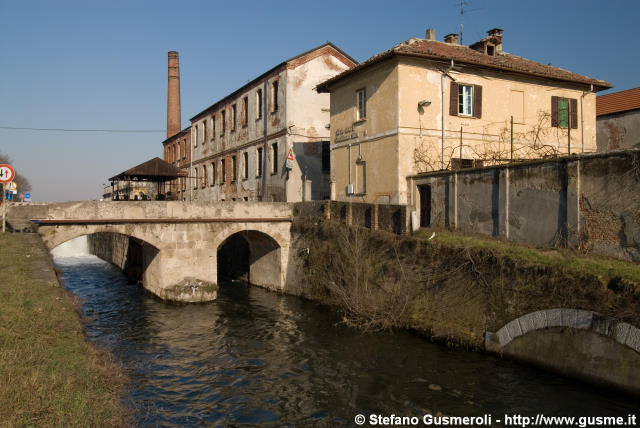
[(7, 174)]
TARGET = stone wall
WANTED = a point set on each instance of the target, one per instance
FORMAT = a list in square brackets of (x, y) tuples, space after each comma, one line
[(588, 202)]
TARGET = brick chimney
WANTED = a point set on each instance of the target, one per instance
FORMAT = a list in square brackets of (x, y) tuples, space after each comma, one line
[(451, 38), (173, 95), (431, 34)]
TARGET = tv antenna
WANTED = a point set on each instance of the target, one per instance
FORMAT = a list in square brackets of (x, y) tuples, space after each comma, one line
[(462, 4)]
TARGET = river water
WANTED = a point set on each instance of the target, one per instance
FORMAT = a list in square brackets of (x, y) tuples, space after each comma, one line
[(254, 357)]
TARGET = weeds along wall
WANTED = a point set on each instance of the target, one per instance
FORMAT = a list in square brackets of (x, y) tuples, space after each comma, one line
[(459, 294), (588, 202)]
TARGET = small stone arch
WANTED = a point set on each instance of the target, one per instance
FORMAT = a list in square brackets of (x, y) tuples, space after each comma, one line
[(55, 235), (254, 253), (619, 331)]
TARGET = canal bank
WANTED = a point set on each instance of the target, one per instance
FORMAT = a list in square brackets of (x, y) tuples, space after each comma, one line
[(573, 315), (51, 375)]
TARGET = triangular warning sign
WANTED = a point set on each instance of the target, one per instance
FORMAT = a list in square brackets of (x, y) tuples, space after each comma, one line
[(290, 155)]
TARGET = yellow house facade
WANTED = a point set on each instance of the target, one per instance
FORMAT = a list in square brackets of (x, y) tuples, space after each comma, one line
[(426, 105)]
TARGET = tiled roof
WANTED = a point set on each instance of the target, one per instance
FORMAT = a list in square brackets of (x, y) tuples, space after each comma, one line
[(618, 102), (152, 170), (432, 49)]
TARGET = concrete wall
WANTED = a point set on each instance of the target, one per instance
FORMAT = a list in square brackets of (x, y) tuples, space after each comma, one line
[(618, 131), (588, 202)]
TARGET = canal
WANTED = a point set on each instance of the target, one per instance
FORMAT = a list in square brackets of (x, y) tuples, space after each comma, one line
[(254, 357)]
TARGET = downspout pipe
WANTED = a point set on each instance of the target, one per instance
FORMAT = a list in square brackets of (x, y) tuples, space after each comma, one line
[(442, 77)]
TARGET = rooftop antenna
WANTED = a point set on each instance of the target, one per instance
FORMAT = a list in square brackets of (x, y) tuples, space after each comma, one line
[(462, 4)]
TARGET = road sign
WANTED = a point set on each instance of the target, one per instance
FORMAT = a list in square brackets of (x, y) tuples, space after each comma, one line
[(289, 161), (27, 196), (13, 186), (7, 174)]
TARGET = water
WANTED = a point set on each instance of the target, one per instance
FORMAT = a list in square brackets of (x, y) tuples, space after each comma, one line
[(257, 358)]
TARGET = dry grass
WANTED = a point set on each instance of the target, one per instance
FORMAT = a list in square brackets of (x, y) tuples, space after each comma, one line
[(50, 375)]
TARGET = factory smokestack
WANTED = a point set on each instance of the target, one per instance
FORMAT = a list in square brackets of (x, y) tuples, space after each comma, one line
[(173, 95)]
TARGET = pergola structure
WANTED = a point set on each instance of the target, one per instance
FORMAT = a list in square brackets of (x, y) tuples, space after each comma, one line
[(138, 181)]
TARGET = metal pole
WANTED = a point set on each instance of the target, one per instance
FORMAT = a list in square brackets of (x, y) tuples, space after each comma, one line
[(460, 146), (569, 129), (511, 138), (4, 206)]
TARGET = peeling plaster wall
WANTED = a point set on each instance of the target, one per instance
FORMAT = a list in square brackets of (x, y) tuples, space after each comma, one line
[(591, 202), (618, 131)]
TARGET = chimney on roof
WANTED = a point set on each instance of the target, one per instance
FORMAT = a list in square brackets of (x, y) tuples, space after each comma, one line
[(451, 38), (173, 95), (431, 34)]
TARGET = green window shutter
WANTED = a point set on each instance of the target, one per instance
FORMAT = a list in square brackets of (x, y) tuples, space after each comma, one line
[(574, 113), (453, 99)]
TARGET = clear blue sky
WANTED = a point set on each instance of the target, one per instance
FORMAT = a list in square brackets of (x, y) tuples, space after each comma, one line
[(103, 64)]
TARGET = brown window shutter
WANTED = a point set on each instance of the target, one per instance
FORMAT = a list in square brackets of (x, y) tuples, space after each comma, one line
[(477, 101), (453, 99), (554, 111), (574, 113)]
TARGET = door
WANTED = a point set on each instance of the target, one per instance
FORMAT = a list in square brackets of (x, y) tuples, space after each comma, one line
[(425, 205)]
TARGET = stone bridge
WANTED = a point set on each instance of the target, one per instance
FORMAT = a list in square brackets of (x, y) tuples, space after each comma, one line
[(176, 249)]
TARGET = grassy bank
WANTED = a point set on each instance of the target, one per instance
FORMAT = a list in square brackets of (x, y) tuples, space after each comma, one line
[(454, 287), (50, 375)]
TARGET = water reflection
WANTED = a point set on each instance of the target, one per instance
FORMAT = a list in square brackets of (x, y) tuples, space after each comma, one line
[(255, 357)]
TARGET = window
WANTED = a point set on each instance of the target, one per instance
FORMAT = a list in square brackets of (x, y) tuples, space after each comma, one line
[(259, 104), (234, 169), (184, 149), (213, 173), (465, 100), (223, 171), (204, 175), (259, 162), (245, 165), (223, 122), (274, 96), (326, 156), (183, 183), (361, 100), (196, 171), (195, 135), (233, 117), (204, 130), (274, 157), (245, 102), (457, 163), (564, 111), (213, 127)]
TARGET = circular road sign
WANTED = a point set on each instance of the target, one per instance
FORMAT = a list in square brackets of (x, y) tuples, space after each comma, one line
[(7, 174)]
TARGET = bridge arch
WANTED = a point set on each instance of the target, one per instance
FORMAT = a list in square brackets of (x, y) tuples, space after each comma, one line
[(53, 236), (575, 342), (253, 255)]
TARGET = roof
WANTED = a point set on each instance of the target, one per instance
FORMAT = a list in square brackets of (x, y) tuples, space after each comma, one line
[(152, 170), (618, 102), (268, 72), (177, 135), (461, 54)]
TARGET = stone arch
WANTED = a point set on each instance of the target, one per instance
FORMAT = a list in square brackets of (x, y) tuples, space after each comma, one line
[(574, 342), (619, 331), (263, 253), (54, 235)]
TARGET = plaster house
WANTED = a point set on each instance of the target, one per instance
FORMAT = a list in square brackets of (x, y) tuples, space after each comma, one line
[(268, 139), (618, 120), (426, 105)]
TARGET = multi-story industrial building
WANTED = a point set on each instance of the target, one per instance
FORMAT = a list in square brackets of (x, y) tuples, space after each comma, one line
[(268, 140)]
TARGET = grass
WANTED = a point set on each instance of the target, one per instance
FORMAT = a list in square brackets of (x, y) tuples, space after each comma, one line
[(603, 267), (50, 375)]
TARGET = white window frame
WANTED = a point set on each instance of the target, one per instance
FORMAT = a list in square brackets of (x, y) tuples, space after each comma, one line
[(465, 100)]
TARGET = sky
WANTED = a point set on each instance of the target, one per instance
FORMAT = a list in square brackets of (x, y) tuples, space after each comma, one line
[(81, 65)]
